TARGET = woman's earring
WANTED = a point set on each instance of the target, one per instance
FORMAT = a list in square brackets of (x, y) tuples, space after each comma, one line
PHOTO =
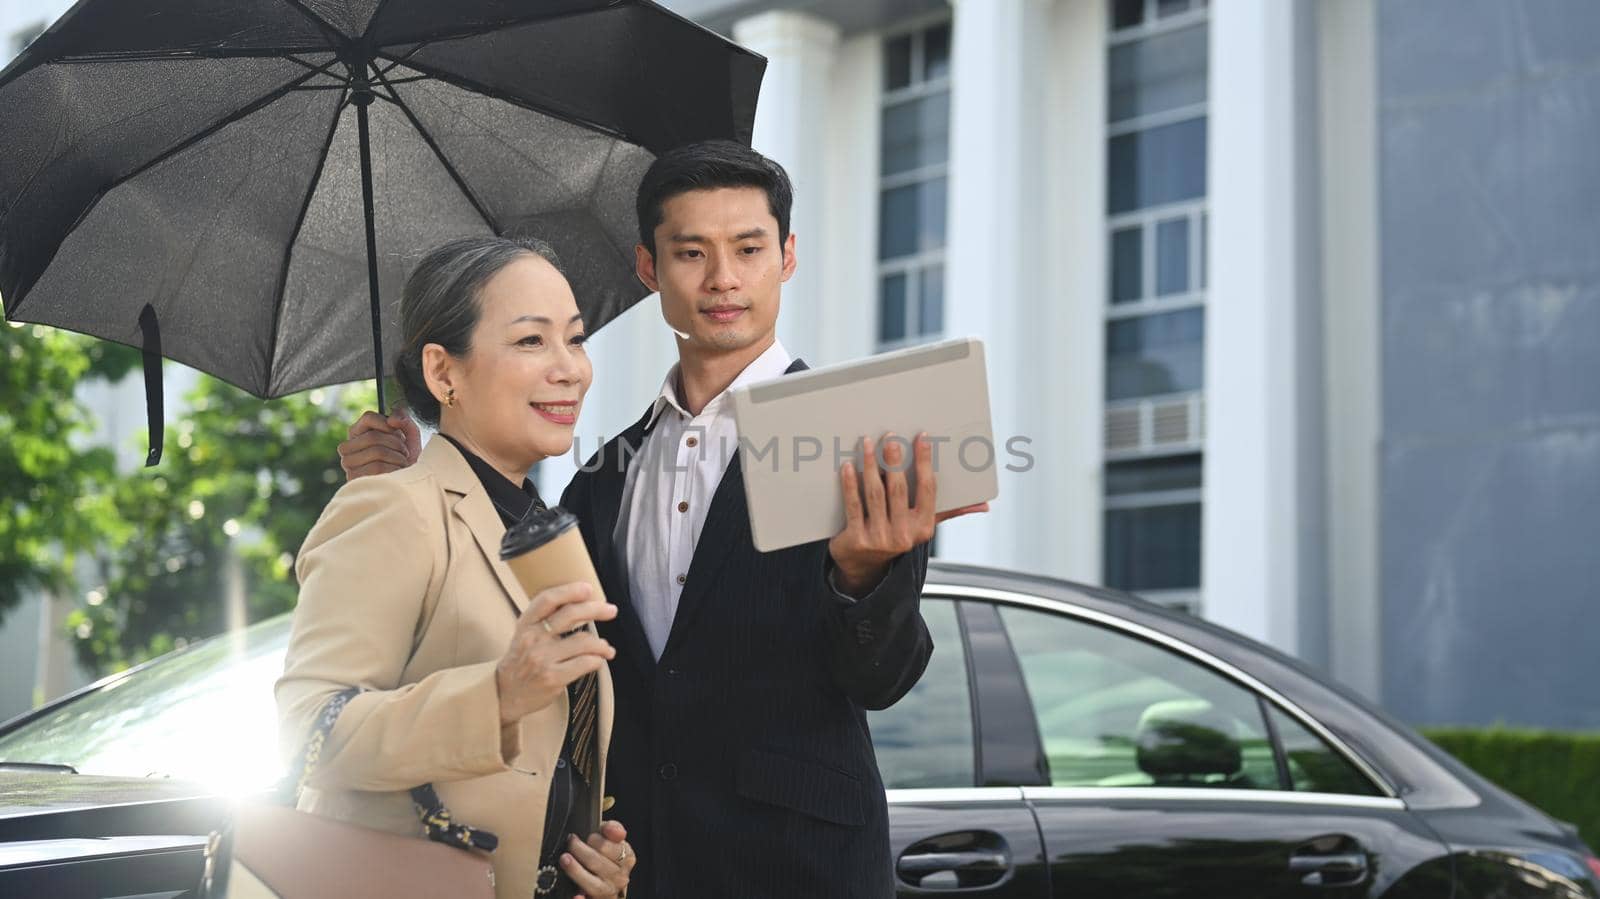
[(450, 397)]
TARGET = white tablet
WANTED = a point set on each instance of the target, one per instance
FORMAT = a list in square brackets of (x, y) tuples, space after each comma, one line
[(796, 431)]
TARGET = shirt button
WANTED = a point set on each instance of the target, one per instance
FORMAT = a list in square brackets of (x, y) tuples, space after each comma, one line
[(691, 442), (683, 579), (669, 771), (683, 507)]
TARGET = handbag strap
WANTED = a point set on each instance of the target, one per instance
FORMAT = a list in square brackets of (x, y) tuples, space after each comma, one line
[(436, 819)]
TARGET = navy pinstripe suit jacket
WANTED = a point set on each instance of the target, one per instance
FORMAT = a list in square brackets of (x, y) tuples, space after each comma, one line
[(740, 760)]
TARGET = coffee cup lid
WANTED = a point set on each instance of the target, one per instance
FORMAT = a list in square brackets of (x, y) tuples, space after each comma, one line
[(537, 528)]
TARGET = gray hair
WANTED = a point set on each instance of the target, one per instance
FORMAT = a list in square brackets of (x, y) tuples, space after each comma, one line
[(443, 301)]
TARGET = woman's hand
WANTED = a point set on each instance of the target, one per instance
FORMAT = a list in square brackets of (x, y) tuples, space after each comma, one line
[(601, 866), (540, 663)]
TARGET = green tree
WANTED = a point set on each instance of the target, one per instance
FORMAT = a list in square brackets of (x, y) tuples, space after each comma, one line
[(55, 491), (241, 477)]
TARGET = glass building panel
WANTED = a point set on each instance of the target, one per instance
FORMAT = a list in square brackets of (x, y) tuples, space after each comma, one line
[(936, 52), (1153, 548), (897, 63), (1127, 265), (911, 219), (916, 134), (930, 308), (1151, 355), (892, 309), (1152, 475), (1167, 71), (1126, 13), (925, 739), (1172, 257), (1159, 165)]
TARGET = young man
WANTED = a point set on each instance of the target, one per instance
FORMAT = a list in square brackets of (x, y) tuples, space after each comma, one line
[(741, 761)]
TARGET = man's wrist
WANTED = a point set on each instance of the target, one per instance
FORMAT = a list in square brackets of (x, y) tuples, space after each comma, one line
[(858, 582)]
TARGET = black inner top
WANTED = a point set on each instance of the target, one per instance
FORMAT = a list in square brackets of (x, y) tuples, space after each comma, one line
[(511, 501)]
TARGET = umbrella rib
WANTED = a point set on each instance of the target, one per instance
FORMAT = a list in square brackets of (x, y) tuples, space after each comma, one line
[(339, 38), (320, 70), (467, 84), (288, 250), (400, 60), (253, 107), (192, 53), (427, 138)]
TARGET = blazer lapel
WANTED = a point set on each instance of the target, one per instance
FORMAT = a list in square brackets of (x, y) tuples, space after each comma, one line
[(479, 515), (474, 509), (727, 525), (610, 555)]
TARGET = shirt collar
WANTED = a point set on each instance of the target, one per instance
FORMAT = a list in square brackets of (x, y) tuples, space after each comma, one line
[(770, 364), (510, 501)]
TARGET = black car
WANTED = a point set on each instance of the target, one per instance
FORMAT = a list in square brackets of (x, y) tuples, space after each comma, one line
[(1066, 741)]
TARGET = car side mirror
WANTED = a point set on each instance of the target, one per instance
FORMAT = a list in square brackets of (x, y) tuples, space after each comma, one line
[(1186, 741)]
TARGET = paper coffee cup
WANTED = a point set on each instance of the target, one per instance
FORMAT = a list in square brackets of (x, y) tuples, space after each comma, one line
[(545, 549)]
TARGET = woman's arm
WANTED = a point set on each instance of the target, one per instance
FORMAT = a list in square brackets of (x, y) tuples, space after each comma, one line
[(366, 570)]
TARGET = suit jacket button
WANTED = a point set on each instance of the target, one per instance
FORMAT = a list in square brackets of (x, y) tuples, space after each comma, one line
[(673, 672), (668, 771)]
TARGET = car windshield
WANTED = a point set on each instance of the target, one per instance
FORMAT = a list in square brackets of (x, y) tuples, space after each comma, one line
[(204, 714)]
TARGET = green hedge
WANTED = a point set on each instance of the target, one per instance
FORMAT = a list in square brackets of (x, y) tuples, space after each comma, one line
[(1558, 772)]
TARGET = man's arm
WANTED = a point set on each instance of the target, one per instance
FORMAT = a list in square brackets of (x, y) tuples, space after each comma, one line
[(878, 644), (873, 575)]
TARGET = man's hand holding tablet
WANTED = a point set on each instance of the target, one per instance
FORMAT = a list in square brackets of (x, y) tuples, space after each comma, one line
[(882, 519)]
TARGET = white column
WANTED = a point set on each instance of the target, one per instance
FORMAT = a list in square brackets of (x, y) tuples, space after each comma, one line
[(848, 246), (1068, 541), (1263, 563), (996, 288), (1348, 93), (791, 127)]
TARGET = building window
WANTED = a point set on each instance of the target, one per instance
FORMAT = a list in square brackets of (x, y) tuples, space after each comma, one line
[(20, 39), (1152, 525), (913, 171), (1155, 308)]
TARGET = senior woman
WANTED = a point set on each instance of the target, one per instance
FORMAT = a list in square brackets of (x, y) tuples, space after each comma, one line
[(464, 682)]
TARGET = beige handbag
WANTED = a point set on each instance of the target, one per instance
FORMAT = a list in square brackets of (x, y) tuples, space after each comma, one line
[(272, 851)]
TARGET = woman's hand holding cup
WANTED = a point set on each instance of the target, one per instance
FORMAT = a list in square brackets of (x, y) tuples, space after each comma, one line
[(540, 662)]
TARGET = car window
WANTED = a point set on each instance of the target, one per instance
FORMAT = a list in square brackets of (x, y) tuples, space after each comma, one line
[(1115, 711), (205, 714), (1314, 766), (925, 739)]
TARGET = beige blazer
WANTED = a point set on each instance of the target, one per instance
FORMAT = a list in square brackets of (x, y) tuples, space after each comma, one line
[(403, 594)]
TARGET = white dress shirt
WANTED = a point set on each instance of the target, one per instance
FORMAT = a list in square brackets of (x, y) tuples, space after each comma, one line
[(668, 491)]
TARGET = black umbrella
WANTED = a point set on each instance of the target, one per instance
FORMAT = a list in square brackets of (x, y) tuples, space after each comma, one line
[(247, 177)]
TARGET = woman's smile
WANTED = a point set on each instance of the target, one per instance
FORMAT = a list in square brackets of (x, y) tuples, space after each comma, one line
[(560, 413)]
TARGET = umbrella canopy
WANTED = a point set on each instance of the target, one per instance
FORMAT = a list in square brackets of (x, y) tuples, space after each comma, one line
[(201, 162)]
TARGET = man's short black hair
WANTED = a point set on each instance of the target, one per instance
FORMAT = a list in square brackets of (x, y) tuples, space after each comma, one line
[(705, 166)]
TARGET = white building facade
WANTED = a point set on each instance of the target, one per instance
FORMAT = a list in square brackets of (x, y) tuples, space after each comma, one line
[(1290, 299)]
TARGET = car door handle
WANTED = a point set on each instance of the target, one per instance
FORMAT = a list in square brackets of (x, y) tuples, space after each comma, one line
[(955, 861), (1337, 870), (925, 863)]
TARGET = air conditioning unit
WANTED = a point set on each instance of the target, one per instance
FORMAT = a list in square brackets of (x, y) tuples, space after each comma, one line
[(1155, 424)]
